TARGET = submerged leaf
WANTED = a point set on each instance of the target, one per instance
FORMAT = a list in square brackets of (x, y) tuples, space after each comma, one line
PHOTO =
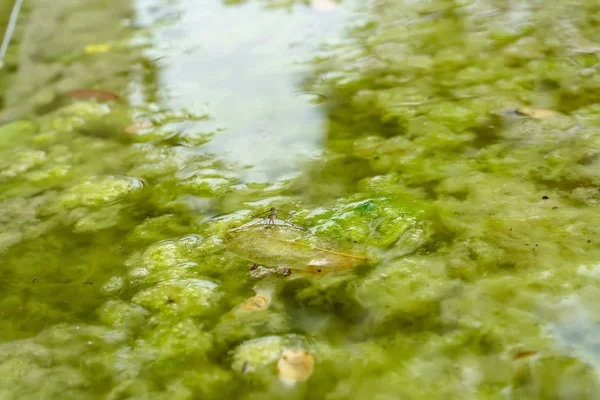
[(523, 354), (97, 48), (261, 301), (97, 94), (537, 113), (138, 127), (256, 303), (283, 246)]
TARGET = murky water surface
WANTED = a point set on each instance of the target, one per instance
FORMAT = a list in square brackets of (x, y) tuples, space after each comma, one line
[(300, 199)]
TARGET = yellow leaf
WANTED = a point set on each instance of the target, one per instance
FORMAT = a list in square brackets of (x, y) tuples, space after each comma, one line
[(97, 48), (538, 113), (256, 303), (138, 127), (295, 365)]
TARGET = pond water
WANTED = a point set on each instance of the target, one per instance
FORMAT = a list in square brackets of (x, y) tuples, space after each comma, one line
[(300, 199)]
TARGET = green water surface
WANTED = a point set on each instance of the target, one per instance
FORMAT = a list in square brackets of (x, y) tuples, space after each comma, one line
[(455, 144)]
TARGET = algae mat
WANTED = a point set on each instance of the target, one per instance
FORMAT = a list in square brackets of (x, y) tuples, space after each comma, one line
[(433, 166)]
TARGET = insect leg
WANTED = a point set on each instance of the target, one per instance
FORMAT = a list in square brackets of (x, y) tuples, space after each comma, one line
[(294, 225), (284, 213), (260, 214)]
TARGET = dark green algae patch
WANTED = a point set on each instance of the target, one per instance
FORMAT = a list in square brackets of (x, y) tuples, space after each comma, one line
[(480, 224)]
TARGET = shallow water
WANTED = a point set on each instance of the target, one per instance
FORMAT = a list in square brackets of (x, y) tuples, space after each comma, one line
[(451, 145)]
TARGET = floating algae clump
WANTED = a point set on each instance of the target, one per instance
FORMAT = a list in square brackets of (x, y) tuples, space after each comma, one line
[(122, 315), (179, 296), (458, 149), (263, 356), (14, 133), (100, 191), (405, 290), (256, 316)]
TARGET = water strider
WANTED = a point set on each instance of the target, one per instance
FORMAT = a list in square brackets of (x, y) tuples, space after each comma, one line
[(272, 216)]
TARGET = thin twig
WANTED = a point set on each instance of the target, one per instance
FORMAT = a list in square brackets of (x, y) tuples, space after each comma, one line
[(10, 28)]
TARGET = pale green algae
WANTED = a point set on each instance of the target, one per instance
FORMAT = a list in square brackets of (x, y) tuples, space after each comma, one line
[(482, 225)]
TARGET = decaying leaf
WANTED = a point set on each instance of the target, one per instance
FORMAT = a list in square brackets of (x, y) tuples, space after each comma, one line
[(138, 127), (97, 94), (523, 354), (283, 246), (97, 48), (260, 301), (295, 365), (256, 303), (537, 113)]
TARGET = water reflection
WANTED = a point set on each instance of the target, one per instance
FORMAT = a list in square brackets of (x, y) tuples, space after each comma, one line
[(244, 64), (57, 47)]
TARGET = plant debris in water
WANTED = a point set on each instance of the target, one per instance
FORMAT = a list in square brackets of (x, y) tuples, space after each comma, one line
[(289, 247), (295, 365)]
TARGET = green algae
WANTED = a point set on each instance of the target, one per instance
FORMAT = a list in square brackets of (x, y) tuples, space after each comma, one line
[(480, 223)]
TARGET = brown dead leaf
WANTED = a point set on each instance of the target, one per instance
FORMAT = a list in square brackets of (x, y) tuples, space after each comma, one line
[(523, 354), (138, 127), (97, 94)]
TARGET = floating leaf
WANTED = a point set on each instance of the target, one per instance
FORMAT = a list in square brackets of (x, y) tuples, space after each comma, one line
[(256, 303), (97, 48), (257, 354), (283, 246), (138, 127), (537, 113), (97, 94), (261, 301), (523, 354), (295, 365)]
